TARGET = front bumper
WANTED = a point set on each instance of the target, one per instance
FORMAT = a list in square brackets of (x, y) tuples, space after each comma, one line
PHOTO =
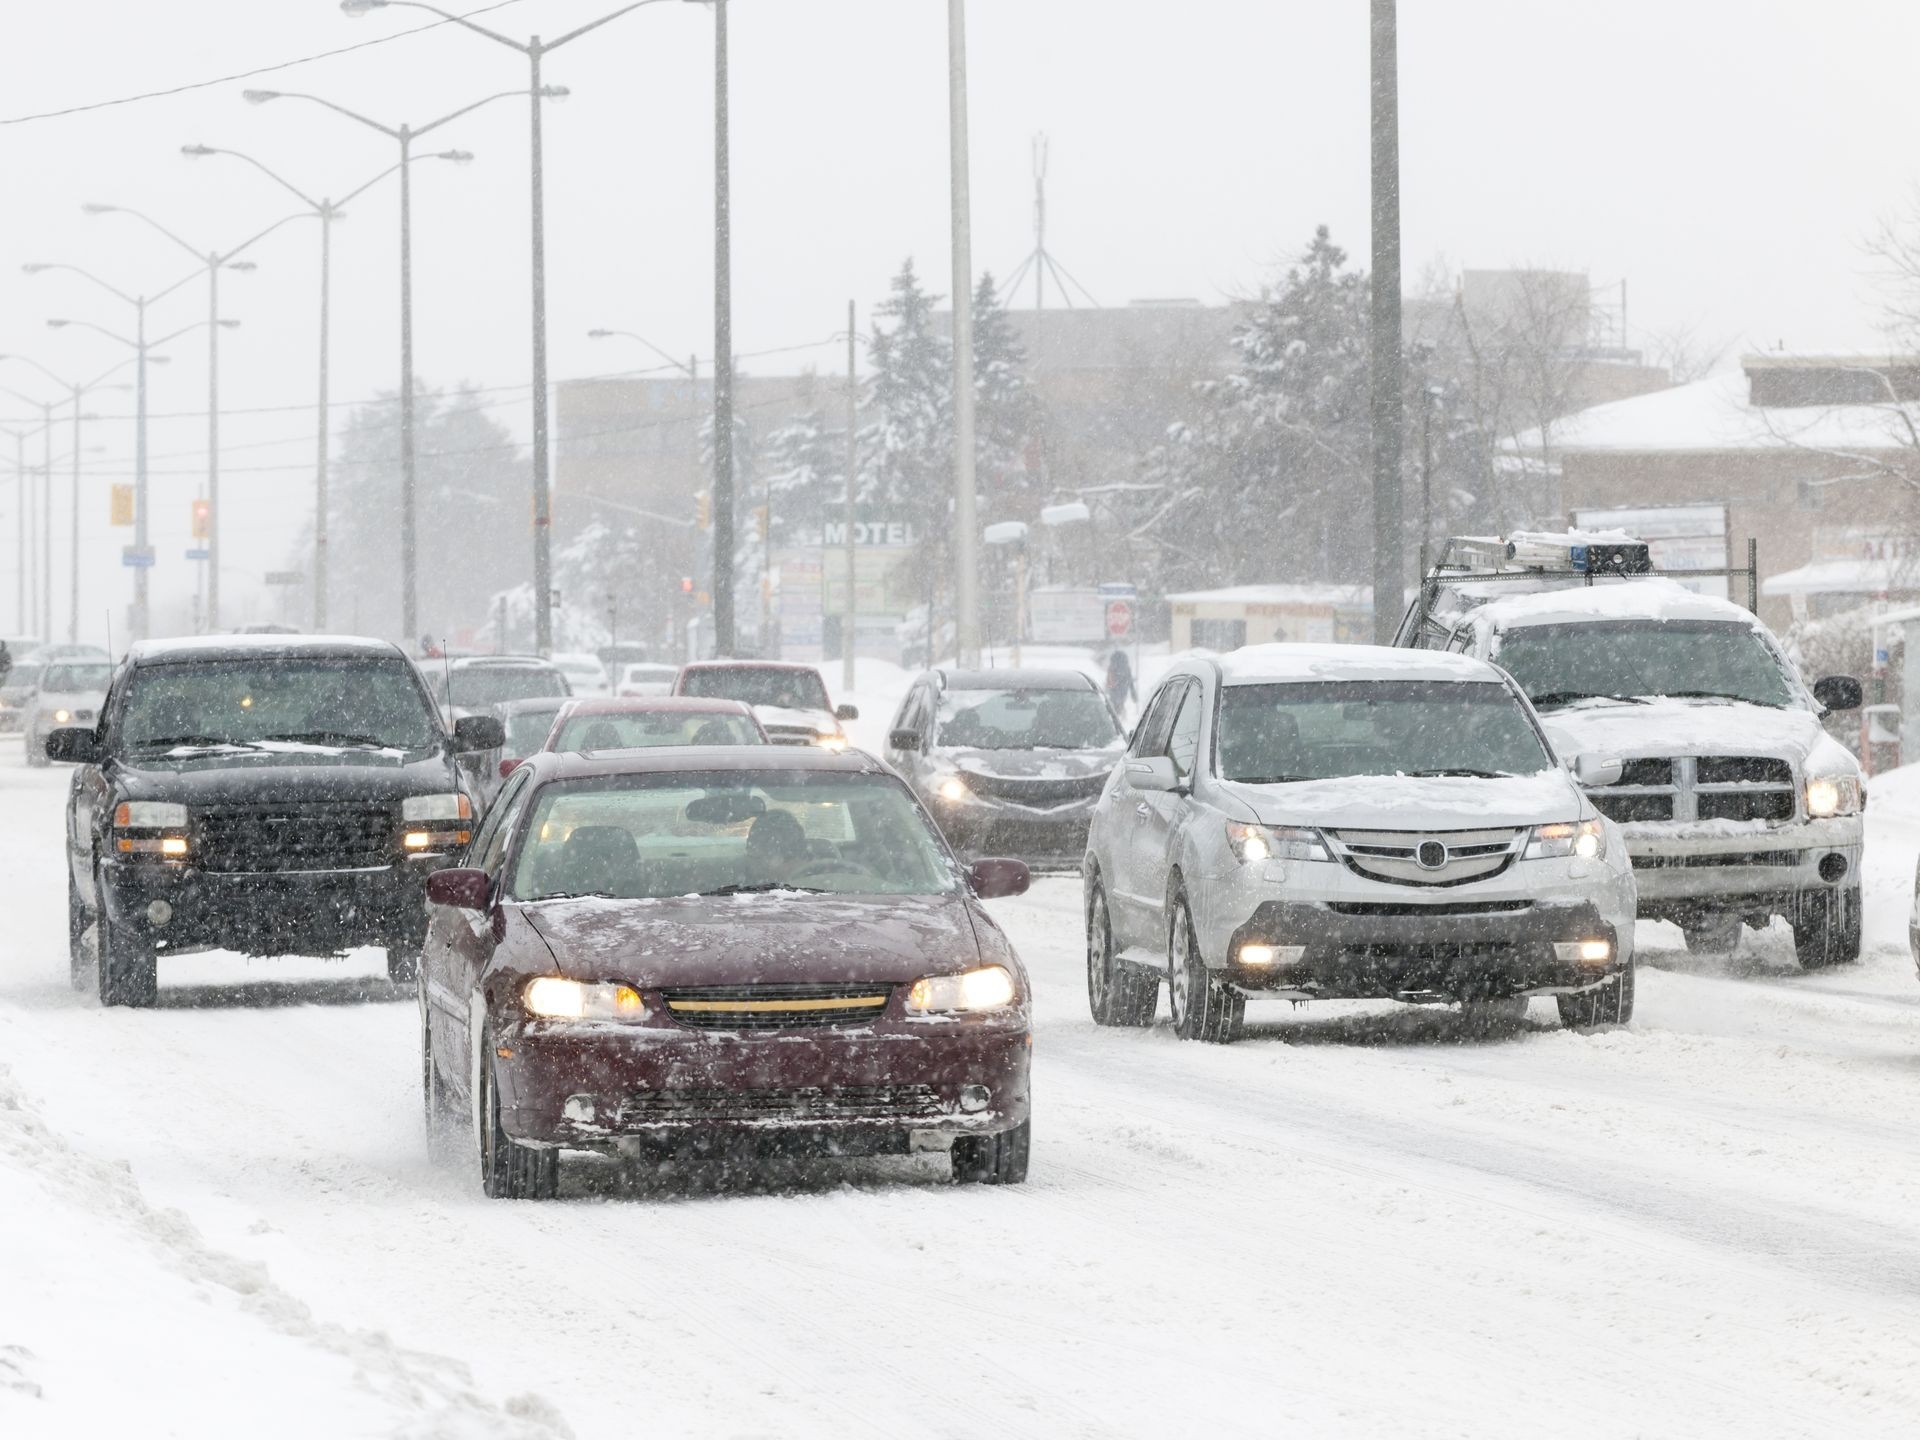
[(175, 907), (1052, 837), (894, 1085), (1683, 868)]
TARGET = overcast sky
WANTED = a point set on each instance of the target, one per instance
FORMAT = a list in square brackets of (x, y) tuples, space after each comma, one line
[(1726, 157)]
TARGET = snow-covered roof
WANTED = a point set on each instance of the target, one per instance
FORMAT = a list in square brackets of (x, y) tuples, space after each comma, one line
[(1652, 598), (1256, 664), (1716, 414), (1356, 596), (247, 645), (1846, 577)]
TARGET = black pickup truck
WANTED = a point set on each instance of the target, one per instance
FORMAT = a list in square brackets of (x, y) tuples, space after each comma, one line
[(270, 794)]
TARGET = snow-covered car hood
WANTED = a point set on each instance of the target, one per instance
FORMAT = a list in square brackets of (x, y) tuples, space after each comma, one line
[(758, 939), (1400, 802), (777, 717), (283, 774), (1030, 764), (1697, 727)]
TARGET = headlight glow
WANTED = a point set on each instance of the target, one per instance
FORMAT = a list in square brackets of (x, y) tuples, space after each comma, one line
[(1581, 839), (553, 997), (61, 717), (989, 988), (1254, 843), (149, 815), (436, 807), (830, 740), (953, 789), (1828, 796)]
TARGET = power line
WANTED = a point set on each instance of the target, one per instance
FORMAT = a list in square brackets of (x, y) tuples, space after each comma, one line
[(245, 74)]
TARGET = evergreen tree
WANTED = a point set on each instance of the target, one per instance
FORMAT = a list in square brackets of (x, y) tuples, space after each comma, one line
[(1005, 407), (910, 440)]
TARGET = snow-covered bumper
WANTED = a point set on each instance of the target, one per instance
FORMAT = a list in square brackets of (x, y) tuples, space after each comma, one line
[(1683, 868), (894, 1086), (1321, 931)]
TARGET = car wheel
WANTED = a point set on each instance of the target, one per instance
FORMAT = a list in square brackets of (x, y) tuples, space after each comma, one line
[(1718, 935), (1203, 1008), (1826, 929), (128, 968), (78, 961), (508, 1169), (1608, 1004), (993, 1159), (435, 1106), (1117, 993)]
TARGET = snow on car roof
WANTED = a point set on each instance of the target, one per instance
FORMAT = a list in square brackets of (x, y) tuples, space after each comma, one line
[(1653, 598), (1010, 679), (201, 647), (1266, 664)]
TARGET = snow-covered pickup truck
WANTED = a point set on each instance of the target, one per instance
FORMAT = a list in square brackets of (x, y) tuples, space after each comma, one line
[(1735, 803)]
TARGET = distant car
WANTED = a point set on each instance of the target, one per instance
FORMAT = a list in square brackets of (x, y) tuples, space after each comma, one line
[(652, 722), (478, 684), (791, 700), (1010, 762), (527, 724), (762, 946), (584, 673), (647, 679), (70, 692), (30, 658)]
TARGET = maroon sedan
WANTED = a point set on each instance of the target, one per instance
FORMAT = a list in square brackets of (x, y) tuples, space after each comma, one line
[(644, 723), (665, 947)]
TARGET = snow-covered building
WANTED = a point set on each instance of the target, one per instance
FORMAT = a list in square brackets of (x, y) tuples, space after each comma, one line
[(1239, 615), (1815, 457)]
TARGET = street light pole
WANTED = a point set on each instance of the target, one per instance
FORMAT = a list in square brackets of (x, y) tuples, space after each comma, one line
[(965, 517), (723, 617), (1389, 581)]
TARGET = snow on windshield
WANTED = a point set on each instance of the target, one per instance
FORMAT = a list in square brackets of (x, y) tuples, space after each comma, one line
[(1026, 720), (1614, 659), (246, 702), (777, 686)]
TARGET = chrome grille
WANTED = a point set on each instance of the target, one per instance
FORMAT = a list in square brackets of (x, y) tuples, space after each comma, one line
[(791, 1105), (321, 836), (1396, 855), (1701, 787), (1032, 790), (777, 1007)]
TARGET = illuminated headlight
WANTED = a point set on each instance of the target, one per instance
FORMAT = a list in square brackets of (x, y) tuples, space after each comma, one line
[(551, 997), (62, 717), (989, 988), (149, 815), (1586, 952), (1254, 843), (1582, 839), (1828, 796), (435, 807), (1260, 956), (830, 740), (953, 790)]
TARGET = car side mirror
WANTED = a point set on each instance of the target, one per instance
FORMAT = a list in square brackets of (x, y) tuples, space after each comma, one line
[(507, 767), (1152, 773), (73, 745), (1838, 692), (847, 712), (1597, 771), (464, 889), (904, 739), (478, 732), (994, 879)]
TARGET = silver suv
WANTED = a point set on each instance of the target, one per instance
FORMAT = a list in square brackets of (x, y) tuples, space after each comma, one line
[(1347, 822)]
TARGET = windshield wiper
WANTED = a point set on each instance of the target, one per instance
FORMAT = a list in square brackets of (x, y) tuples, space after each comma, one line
[(1271, 779), (1461, 770), (336, 737), (1719, 695), (1556, 698), (763, 887), (579, 895), (180, 742)]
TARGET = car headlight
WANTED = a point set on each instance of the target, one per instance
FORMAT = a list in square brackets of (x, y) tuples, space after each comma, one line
[(989, 988), (1254, 843), (953, 790), (62, 717), (1830, 795), (1582, 839), (553, 997), (830, 740), (436, 807), (149, 815)]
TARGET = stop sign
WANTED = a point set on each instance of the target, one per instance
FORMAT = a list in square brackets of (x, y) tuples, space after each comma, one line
[(1119, 619)]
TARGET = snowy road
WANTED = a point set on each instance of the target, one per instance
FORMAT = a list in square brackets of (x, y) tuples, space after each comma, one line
[(1359, 1221)]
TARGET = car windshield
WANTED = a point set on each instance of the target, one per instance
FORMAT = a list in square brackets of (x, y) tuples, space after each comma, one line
[(650, 674), (527, 731), (1323, 730), (1026, 720), (480, 687), (639, 837), (1622, 659), (778, 686), (639, 730), (23, 677), (72, 679), (285, 698)]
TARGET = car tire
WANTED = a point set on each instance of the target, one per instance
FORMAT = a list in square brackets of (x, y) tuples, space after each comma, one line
[(1826, 929), (993, 1159), (78, 960), (508, 1169), (1608, 1004), (436, 1107), (1117, 993), (1203, 1007), (128, 967), (1717, 936)]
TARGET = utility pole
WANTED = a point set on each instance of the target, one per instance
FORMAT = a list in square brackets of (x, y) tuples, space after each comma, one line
[(323, 429), (46, 520), (848, 619), (966, 538), (1385, 368), (73, 577), (211, 567), (142, 611), (723, 638)]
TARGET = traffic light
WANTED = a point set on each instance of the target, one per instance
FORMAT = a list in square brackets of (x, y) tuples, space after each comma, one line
[(120, 506), (202, 518), (703, 510), (686, 584)]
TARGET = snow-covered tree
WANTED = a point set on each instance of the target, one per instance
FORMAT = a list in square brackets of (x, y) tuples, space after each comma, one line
[(1005, 407)]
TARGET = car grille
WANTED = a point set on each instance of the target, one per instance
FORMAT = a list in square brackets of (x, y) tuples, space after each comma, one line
[(1785, 859), (1395, 855), (1029, 790), (777, 1007), (288, 838), (792, 1105), (792, 734), (1480, 907), (1701, 787)]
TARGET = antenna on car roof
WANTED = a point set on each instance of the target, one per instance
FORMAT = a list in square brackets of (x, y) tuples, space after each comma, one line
[(446, 663), (109, 634)]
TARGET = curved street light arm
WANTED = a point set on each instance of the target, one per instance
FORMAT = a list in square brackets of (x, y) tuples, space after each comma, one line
[(459, 20), (200, 255), (107, 373), (186, 330), (186, 279), (33, 400), (677, 364), (112, 290), (596, 24), (266, 170), (253, 240), (464, 109), (388, 130), (59, 380), (97, 329)]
